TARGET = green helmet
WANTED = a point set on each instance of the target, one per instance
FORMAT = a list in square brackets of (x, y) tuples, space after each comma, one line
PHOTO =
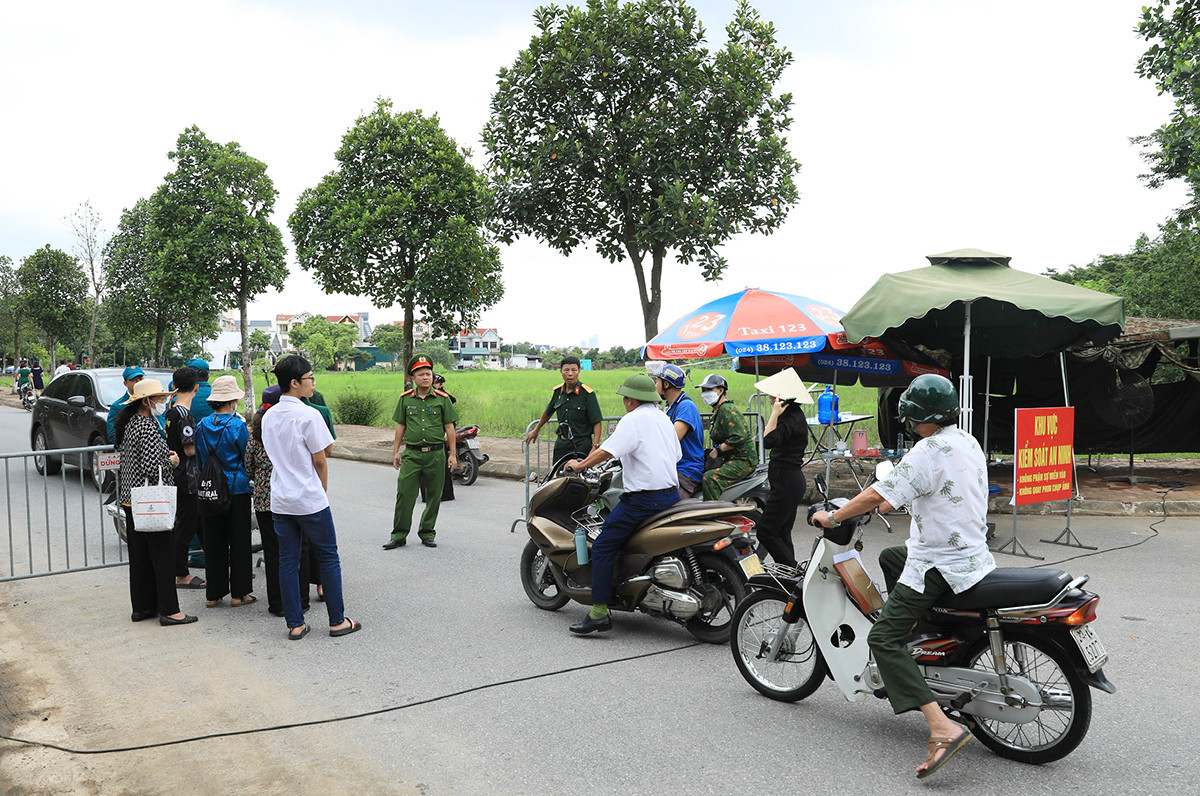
[(639, 387), (929, 399)]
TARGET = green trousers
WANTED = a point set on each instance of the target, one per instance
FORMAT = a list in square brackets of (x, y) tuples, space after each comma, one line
[(577, 448), (415, 465), (718, 480), (906, 687)]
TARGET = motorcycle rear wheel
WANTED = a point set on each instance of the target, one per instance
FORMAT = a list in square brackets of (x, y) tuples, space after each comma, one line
[(1056, 731), (468, 469), (714, 628), (799, 669), (540, 586)]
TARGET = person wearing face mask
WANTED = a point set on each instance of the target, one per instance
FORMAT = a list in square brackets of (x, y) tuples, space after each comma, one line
[(733, 455), (145, 458), (689, 428)]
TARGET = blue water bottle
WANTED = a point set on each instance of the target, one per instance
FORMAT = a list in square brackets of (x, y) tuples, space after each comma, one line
[(581, 548), (827, 406)]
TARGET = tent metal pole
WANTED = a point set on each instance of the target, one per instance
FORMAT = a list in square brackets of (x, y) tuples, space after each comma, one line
[(966, 396), (987, 410)]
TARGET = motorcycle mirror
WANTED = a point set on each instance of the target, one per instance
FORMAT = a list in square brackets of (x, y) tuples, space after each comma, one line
[(819, 480)]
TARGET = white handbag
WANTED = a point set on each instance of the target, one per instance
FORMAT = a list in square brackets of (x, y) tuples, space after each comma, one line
[(153, 506)]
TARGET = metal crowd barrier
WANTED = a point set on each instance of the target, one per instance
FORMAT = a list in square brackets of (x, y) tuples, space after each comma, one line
[(57, 523)]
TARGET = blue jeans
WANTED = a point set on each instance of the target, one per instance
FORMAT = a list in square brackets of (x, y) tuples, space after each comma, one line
[(318, 529), (629, 513)]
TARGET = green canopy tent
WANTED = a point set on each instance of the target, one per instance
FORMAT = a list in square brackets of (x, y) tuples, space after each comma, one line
[(996, 311)]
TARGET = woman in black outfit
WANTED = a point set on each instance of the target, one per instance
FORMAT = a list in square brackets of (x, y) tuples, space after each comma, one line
[(786, 436), (144, 456)]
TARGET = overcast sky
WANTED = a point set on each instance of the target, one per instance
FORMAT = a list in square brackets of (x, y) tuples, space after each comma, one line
[(921, 126)]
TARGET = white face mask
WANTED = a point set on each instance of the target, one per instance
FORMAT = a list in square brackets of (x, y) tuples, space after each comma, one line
[(158, 409), (710, 397)]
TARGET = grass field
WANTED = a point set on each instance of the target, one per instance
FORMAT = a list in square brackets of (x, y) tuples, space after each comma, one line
[(503, 402)]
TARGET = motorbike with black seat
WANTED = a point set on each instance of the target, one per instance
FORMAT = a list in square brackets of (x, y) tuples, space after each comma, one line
[(1013, 657), (688, 564)]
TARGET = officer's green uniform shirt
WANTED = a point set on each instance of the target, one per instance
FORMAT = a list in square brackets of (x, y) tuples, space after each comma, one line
[(729, 428), (576, 408), (424, 419), (323, 411)]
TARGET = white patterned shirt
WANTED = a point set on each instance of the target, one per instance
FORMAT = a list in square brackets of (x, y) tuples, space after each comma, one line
[(943, 482)]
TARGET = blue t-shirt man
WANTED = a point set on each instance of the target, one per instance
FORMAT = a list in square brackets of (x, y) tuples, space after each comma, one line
[(682, 410)]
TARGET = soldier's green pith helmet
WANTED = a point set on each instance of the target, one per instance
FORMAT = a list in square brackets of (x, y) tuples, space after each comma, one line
[(929, 399), (639, 387)]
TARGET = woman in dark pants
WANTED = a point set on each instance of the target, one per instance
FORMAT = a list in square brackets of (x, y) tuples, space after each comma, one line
[(145, 458), (223, 434), (786, 436)]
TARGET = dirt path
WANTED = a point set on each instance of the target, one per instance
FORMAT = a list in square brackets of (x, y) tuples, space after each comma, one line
[(156, 684)]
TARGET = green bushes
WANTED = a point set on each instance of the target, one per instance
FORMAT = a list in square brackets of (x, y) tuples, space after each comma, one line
[(357, 407)]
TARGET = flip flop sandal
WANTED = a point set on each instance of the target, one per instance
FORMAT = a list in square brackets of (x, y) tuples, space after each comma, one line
[(949, 744), (247, 600), (345, 631), (297, 636), (194, 583), (212, 603)]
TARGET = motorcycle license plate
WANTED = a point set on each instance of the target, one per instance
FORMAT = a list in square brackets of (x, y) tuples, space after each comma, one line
[(1094, 654), (473, 444), (751, 565)]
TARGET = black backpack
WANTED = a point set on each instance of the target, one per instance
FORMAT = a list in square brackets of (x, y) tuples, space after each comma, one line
[(212, 488)]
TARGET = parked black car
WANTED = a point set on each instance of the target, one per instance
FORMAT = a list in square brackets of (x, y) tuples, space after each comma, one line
[(72, 412)]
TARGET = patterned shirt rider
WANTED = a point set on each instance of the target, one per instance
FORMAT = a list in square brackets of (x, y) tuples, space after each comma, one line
[(943, 481)]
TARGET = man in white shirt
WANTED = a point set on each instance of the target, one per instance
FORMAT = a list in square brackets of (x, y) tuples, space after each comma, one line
[(943, 481), (646, 443), (295, 438), (63, 367)]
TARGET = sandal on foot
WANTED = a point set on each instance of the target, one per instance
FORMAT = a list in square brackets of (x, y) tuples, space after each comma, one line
[(345, 631), (194, 583), (947, 743), (212, 603), (297, 636), (238, 601)]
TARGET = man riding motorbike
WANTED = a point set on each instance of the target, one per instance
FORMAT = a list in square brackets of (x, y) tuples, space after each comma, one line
[(943, 480), (645, 442)]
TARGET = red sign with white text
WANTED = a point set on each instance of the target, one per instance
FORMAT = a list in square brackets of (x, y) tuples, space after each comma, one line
[(1045, 454)]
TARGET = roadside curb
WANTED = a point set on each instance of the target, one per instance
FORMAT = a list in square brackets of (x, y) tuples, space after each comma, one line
[(492, 469)]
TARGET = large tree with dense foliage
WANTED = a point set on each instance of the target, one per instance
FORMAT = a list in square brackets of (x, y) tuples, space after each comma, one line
[(145, 300), (618, 126), (53, 284), (401, 219), (323, 340), (1172, 61), (214, 213), (1157, 278), (389, 338)]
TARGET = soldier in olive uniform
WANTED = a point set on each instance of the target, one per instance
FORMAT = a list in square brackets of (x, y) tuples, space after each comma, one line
[(732, 446), (425, 419), (578, 413)]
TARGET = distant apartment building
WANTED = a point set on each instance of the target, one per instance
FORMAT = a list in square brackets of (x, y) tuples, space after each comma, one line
[(284, 324)]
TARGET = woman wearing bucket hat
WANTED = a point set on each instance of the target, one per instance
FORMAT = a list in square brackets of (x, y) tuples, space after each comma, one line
[(223, 434), (145, 458), (645, 442)]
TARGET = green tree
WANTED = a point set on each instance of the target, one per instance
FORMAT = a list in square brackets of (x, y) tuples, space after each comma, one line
[(214, 213), (53, 283), (145, 301), (12, 307), (618, 126), (401, 220), (1173, 62), (85, 223), (438, 352), (339, 336), (260, 343), (320, 350), (389, 338)]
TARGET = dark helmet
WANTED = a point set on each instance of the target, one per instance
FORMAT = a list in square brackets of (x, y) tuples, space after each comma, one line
[(713, 381), (929, 399), (439, 378)]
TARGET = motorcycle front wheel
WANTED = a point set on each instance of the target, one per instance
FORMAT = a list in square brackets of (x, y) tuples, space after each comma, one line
[(540, 586), (712, 627), (1060, 726), (797, 671)]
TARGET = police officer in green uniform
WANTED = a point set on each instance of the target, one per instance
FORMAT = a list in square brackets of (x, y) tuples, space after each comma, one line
[(578, 412), (733, 449), (425, 420)]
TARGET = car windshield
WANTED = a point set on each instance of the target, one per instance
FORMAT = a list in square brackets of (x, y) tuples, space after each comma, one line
[(111, 388)]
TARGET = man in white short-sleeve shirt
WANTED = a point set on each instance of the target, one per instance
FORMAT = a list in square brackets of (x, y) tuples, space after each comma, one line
[(295, 438), (943, 481), (646, 443)]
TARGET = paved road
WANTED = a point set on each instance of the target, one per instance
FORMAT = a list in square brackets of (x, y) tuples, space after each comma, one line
[(441, 621)]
